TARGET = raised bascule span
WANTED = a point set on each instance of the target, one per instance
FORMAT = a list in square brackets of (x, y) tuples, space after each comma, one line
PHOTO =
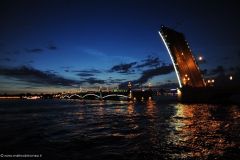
[(186, 68), (192, 87)]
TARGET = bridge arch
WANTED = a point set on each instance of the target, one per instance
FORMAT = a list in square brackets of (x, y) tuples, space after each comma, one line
[(95, 95), (66, 96), (115, 95), (75, 95)]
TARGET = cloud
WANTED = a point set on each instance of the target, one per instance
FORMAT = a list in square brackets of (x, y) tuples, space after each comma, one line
[(126, 68), (148, 74), (93, 80), (66, 68), (150, 61), (51, 71), (32, 75), (51, 47), (85, 74), (93, 71), (34, 50), (114, 81), (129, 68), (43, 78)]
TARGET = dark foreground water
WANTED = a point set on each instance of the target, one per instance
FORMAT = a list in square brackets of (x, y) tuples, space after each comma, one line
[(65, 129)]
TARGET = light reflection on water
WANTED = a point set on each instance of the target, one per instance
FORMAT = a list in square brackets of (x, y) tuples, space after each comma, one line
[(120, 130), (199, 131)]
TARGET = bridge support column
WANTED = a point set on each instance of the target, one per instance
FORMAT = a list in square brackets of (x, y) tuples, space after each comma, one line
[(100, 94)]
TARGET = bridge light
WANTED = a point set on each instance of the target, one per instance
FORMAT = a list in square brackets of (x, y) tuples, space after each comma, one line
[(208, 81), (184, 80), (129, 85), (186, 75), (179, 93), (230, 78), (200, 58), (213, 80)]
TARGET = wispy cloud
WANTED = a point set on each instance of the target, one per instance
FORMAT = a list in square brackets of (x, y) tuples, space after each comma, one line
[(44, 78), (148, 74), (116, 81), (85, 74), (150, 61), (32, 75), (92, 71), (51, 47), (93, 80), (126, 68)]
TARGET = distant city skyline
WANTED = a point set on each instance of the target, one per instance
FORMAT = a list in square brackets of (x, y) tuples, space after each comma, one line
[(48, 46)]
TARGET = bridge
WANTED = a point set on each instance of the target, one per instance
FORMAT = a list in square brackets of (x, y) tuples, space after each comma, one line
[(192, 87), (186, 68), (96, 96), (128, 95)]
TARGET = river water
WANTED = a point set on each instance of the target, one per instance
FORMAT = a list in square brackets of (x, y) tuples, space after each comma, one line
[(77, 129)]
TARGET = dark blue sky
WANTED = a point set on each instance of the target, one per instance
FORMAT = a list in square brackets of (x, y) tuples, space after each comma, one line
[(56, 45)]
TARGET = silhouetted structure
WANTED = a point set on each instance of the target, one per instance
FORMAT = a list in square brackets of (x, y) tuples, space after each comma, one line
[(187, 71), (191, 83)]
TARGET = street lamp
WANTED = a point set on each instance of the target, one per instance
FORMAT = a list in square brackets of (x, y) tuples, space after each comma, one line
[(200, 58)]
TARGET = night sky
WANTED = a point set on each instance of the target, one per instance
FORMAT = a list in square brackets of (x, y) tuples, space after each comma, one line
[(51, 46)]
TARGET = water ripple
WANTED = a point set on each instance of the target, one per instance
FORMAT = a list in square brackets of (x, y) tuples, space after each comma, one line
[(119, 130)]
